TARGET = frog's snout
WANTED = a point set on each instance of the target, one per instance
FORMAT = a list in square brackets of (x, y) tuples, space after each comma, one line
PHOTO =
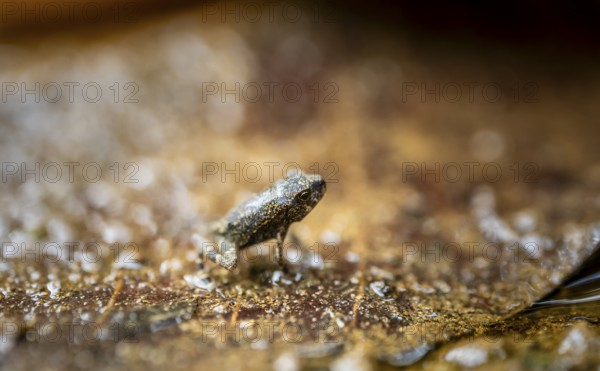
[(317, 185)]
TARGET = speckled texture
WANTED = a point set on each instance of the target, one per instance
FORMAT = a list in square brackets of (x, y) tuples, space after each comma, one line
[(266, 216), (390, 269)]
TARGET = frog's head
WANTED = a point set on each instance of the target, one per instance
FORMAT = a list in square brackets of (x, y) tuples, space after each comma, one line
[(304, 192)]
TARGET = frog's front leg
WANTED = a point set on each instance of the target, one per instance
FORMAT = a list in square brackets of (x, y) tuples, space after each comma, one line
[(279, 249), (227, 256)]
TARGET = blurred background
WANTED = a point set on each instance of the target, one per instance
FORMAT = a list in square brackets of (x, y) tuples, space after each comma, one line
[(458, 141)]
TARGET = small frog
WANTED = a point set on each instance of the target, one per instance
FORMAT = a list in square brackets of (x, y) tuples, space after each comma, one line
[(266, 216)]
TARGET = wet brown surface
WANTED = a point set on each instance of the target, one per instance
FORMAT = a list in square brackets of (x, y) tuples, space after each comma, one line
[(398, 266)]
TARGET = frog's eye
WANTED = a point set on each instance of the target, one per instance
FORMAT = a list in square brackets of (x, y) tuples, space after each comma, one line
[(304, 195)]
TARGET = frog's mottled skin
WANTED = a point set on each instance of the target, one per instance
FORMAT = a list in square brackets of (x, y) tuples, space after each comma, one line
[(266, 216)]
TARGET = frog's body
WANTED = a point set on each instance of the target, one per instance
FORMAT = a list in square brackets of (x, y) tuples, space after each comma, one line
[(266, 216)]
